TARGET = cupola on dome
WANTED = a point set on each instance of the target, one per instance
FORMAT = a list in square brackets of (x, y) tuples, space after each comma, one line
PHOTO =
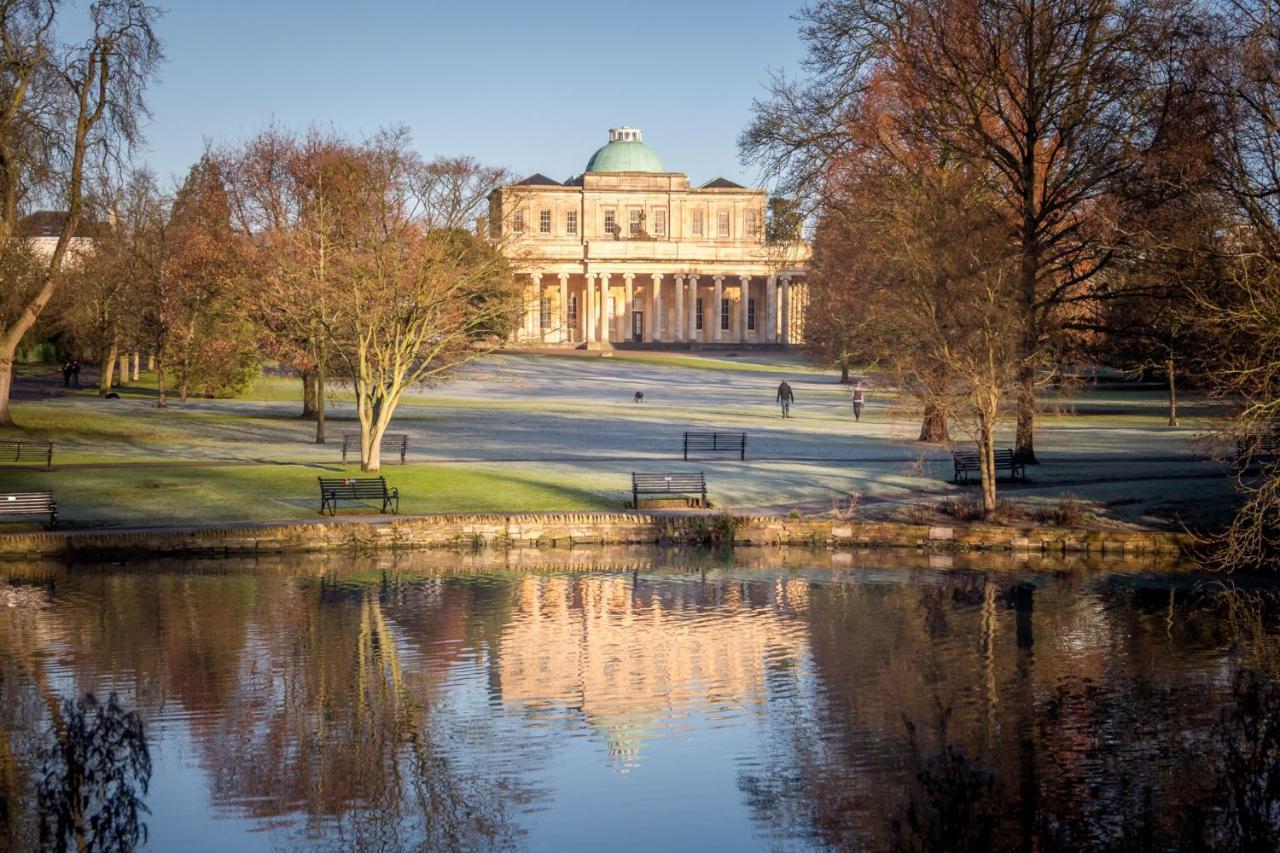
[(626, 152)]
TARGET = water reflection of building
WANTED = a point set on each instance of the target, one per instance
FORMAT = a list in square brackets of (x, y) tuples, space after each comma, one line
[(631, 657)]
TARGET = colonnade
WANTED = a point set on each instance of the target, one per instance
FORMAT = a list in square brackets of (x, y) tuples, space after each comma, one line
[(607, 307)]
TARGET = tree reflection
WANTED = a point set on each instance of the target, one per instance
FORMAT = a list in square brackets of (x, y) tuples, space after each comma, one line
[(94, 777), (935, 727)]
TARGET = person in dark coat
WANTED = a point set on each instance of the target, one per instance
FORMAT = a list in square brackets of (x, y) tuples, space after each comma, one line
[(75, 373), (66, 375), (785, 398)]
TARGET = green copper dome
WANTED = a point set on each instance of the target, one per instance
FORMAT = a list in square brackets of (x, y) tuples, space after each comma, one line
[(626, 152)]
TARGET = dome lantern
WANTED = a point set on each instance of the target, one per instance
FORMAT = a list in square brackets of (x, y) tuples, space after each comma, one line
[(625, 152)]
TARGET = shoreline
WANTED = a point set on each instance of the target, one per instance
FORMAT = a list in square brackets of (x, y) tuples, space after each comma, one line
[(470, 531)]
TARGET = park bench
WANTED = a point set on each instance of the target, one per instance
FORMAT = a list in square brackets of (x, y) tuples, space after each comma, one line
[(668, 485), (393, 442), (19, 450), (1257, 449), (969, 460), (337, 489), (716, 442), (29, 503)]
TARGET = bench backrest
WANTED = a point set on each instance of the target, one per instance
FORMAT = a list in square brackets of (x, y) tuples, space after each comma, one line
[(14, 449), (348, 487), (392, 438), (669, 482), (713, 439), (25, 503), (971, 458)]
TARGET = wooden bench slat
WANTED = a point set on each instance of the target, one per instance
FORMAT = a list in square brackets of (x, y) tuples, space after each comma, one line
[(390, 441), (964, 461), (674, 485), (29, 503), (727, 442), (334, 489), (15, 450)]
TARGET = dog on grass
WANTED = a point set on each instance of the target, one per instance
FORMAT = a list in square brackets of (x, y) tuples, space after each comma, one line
[(639, 398)]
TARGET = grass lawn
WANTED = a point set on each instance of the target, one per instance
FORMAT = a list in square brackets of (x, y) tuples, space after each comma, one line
[(136, 496), (561, 433)]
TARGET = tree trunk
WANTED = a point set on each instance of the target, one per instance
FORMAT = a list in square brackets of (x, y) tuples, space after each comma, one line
[(1173, 393), (934, 427), (987, 459), (318, 382), (6, 382), (371, 444), (151, 361), (107, 372), (1025, 441), (123, 375), (308, 394), (844, 371), (161, 402), (137, 365)]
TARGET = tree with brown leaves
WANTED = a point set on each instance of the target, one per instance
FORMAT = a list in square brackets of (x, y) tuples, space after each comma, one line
[(60, 107)]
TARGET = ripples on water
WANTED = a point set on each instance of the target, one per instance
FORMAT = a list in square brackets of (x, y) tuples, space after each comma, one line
[(638, 701)]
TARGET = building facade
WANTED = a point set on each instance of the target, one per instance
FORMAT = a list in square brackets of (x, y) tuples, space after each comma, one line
[(628, 252)]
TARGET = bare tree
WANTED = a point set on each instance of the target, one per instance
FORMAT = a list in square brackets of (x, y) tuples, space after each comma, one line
[(935, 283), (60, 107), (1050, 96), (1238, 312), (417, 294), (367, 263)]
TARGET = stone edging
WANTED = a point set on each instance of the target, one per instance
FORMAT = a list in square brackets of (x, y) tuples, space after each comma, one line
[(568, 529)]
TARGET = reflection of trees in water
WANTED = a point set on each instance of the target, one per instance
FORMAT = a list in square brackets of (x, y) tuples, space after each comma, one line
[(93, 778), (298, 699), (1074, 723)]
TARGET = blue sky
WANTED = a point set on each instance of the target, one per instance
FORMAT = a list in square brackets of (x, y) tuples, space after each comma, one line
[(532, 86)]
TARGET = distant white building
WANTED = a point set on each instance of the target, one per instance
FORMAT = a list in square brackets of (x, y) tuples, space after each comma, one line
[(629, 252), (42, 229)]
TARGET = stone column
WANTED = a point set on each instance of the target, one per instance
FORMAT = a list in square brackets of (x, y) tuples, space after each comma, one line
[(535, 323), (628, 305), (656, 324), (590, 321), (606, 310), (771, 309), (719, 297), (678, 329), (785, 313), (744, 297), (693, 308), (566, 334)]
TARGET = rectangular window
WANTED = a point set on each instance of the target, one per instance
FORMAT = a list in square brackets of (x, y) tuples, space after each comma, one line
[(610, 222), (517, 223), (752, 224), (724, 315), (571, 223), (722, 223), (635, 222), (698, 324), (751, 315), (573, 311), (544, 313), (544, 222), (659, 223), (697, 223)]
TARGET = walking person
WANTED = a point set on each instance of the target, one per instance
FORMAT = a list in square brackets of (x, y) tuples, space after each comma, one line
[(858, 395), (66, 375), (75, 373), (785, 398)]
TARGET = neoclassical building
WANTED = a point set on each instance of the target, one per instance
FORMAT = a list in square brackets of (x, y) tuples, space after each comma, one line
[(628, 252)]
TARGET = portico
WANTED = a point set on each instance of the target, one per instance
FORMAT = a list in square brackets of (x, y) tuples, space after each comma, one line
[(627, 253)]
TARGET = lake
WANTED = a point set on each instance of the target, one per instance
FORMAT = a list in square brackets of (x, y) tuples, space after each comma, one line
[(636, 699)]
